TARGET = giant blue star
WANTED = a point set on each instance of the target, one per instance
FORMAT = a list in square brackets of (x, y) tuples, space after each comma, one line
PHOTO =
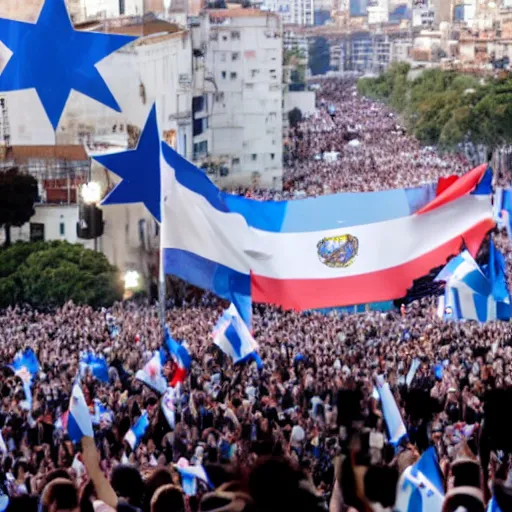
[(139, 169), (53, 58)]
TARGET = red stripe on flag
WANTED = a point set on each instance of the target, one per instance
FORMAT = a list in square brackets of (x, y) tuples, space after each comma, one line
[(382, 285), (464, 185), (445, 183)]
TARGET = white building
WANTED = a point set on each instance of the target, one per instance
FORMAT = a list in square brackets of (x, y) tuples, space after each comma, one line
[(378, 12), (155, 68), (238, 103), (293, 12)]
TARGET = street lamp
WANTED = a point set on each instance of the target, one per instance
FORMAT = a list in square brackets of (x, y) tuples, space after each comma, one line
[(91, 192), (90, 224)]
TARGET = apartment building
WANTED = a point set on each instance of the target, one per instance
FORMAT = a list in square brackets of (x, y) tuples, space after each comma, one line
[(293, 12), (238, 97)]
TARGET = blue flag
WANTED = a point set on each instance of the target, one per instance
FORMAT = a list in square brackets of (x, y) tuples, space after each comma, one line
[(97, 365), (134, 436), (420, 488)]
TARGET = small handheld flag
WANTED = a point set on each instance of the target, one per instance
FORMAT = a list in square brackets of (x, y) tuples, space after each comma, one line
[(232, 336), (394, 422), (179, 355), (97, 365), (79, 417), (151, 374), (134, 436)]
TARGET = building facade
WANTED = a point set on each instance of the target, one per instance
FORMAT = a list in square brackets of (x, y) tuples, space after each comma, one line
[(293, 12), (238, 97)]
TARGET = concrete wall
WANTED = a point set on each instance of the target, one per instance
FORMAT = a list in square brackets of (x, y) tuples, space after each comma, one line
[(303, 100), (52, 217)]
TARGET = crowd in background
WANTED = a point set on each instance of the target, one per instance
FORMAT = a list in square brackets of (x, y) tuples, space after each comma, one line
[(289, 436)]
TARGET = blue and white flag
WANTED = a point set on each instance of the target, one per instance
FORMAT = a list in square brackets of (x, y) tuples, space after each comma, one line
[(25, 364), (26, 367), (474, 293), (96, 364), (392, 416), (151, 374), (190, 475), (503, 209), (102, 414), (79, 417), (168, 404), (232, 336), (134, 436), (412, 371), (420, 487)]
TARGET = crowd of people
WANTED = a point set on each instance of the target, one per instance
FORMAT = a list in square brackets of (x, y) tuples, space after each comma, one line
[(306, 431)]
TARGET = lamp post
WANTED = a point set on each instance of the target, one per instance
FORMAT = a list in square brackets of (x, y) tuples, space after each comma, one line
[(91, 218)]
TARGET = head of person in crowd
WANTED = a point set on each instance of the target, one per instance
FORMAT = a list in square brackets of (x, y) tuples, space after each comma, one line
[(60, 495), (168, 497)]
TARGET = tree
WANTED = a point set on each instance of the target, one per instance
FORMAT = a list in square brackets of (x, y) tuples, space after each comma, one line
[(18, 193), (48, 274), (294, 117)]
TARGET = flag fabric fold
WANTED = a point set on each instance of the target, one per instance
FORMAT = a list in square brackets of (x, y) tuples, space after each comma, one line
[(392, 416), (134, 436), (169, 407), (151, 374), (420, 487), (299, 254), (79, 421), (233, 337)]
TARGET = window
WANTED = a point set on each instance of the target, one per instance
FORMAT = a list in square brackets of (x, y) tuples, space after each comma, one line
[(200, 126), (235, 56), (235, 35), (223, 75), (249, 86), (272, 156), (214, 36), (200, 149), (235, 162), (254, 157), (36, 232), (224, 37), (254, 72), (233, 75), (219, 97), (62, 229)]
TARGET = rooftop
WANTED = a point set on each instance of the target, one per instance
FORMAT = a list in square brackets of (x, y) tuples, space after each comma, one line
[(239, 13), (68, 153)]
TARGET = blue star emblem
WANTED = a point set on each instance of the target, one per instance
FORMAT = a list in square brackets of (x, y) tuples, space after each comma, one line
[(53, 58), (139, 169)]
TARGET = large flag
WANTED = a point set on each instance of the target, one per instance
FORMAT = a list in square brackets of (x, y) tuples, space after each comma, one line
[(151, 374), (472, 292), (233, 337), (179, 355), (392, 416), (96, 364), (134, 436), (420, 487), (336, 250), (79, 421)]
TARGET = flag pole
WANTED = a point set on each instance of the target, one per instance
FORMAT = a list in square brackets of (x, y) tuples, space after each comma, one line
[(162, 292)]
